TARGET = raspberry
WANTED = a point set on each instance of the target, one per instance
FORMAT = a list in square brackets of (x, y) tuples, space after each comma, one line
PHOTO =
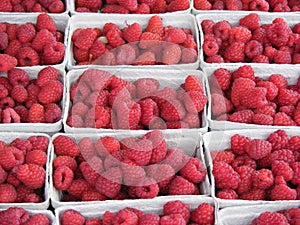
[(227, 194), (262, 179), (142, 9), (71, 216), (272, 89), (146, 58), (89, 173), (6, 6), (44, 21), (36, 157), (36, 114), (220, 105), (109, 183), (270, 218), (148, 219), (282, 57), (254, 194), (132, 173), (155, 25), (278, 33), (172, 110), (295, 166), (188, 55), (64, 145), (243, 116), (3, 40), (246, 174), (174, 35), (226, 156), (281, 168), (282, 192), (114, 38), (194, 171), (239, 86), (204, 213), (19, 93), (128, 114), (279, 80), (3, 175), (221, 29), (84, 40), (221, 78), (193, 83), (64, 160), (172, 219), (147, 188), (97, 50), (39, 142), (78, 187), (62, 177), (254, 97), (11, 157), (9, 193), (253, 49), (39, 219), (293, 143), (149, 110), (178, 5), (107, 145), (287, 97), (7, 62), (181, 186), (53, 113), (31, 175), (131, 5), (171, 54), (177, 207), (92, 196), (52, 92), (202, 5), (195, 101), (160, 6), (90, 4), (258, 149), (46, 74), (27, 56), (250, 21), (282, 119), (239, 34), (225, 176), (235, 52), (26, 32), (42, 38), (278, 139), (53, 53), (115, 9), (263, 119)]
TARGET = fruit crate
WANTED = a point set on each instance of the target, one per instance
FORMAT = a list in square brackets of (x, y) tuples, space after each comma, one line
[(61, 21), (99, 20), (291, 73), (146, 206), (219, 141), (49, 214), (243, 215), (72, 8), (189, 141), (49, 128), (8, 137), (166, 78), (233, 19)]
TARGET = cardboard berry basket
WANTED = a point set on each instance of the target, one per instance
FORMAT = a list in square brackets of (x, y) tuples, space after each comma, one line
[(189, 141), (166, 78), (49, 128), (72, 8), (88, 20), (291, 73), (243, 215), (220, 141), (146, 206), (233, 19), (8, 137), (61, 21)]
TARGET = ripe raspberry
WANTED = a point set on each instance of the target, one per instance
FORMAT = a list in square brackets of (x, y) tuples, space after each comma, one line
[(44, 21), (155, 25), (281, 168), (226, 194), (225, 176), (171, 54), (149, 40), (194, 170), (64, 145), (6, 6), (114, 38), (27, 56), (97, 50), (287, 97), (279, 80), (71, 216), (202, 5), (22, 192), (53, 113), (90, 4), (239, 143), (263, 119), (7, 62), (9, 194), (174, 35), (53, 53), (146, 58), (160, 6), (89, 173), (258, 149), (193, 83), (132, 33), (178, 5), (3, 175), (147, 188), (270, 218), (107, 145), (221, 78), (282, 119), (131, 5), (21, 144), (115, 9), (195, 101), (41, 39), (85, 38), (128, 114), (278, 139), (204, 213), (92, 196), (262, 179), (250, 21), (26, 32), (254, 97), (39, 219), (245, 184), (282, 192), (172, 219), (221, 29), (47, 74), (142, 9), (62, 177), (177, 207), (31, 175), (243, 116), (239, 86), (254, 194), (11, 157), (109, 183), (78, 187), (3, 40), (52, 92), (39, 142), (36, 157), (235, 52), (188, 55), (278, 33), (149, 110), (36, 114), (239, 34), (148, 219), (64, 160), (225, 156), (181, 186)]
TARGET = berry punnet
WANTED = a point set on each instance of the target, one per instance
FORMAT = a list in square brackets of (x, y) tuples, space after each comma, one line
[(156, 44), (131, 6), (250, 41), (106, 168), (31, 100), (173, 212), (242, 97), (258, 169), (23, 169)]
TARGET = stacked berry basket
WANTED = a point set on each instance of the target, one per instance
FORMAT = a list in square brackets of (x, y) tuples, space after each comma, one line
[(186, 112)]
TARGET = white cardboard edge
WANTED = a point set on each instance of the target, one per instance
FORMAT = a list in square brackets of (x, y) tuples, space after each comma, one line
[(233, 19), (38, 127), (291, 73), (245, 214), (61, 21), (175, 77), (219, 141), (84, 20), (180, 139), (147, 206), (9, 137)]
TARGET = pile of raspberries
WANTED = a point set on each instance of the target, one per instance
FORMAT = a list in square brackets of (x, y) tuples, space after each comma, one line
[(131, 168), (131, 6), (250, 41), (242, 97), (155, 45), (102, 100), (25, 100), (173, 212), (23, 170), (258, 169)]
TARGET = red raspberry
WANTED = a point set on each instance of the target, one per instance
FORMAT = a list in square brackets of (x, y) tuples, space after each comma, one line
[(114, 38), (262, 179), (253, 49), (263, 119), (164, 95), (7, 62), (147, 188), (235, 52), (57, 6), (89, 173), (27, 56), (202, 5), (272, 89), (125, 216), (289, 110), (47, 74), (149, 111), (31, 175), (244, 72), (92, 196), (178, 5), (96, 51), (296, 178), (239, 34), (171, 54), (282, 154), (293, 143), (292, 215), (148, 219), (85, 38), (239, 86), (33, 92), (36, 157), (155, 25), (146, 58), (132, 173), (19, 93), (226, 156), (11, 157), (64, 145), (221, 78), (26, 32), (9, 194), (3, 40), (172, 219), (279, 80), (204, 213), (160, 6), (260, 59), (90, 4), (192, 120), (243, 116), (193, 83), (177, 207), (145, 87), (3, 175), (142, 9), (278, 139), (53, 113), (194, 170), (278, 33), (270, 218), (21, 144), (78, 187), (107, 145), (266, 109), (250, 21), (149, 40), (128, 114), (181, 186), (254, 97), (287, 97), (282, 57), (254, 194), (64, 160), (6, 6), (221, 29), (51, 92), (115, 9), (161, 173), (282, 192), (62, 177), (71, 216), (132, 33), (44, 21), (258, 149), (220, 104), (131, 5), (281, 168), (207, 25), (282, 119), (225, 176), (195, 101), (245, 184), (53, 53), (188, 55), (172, 110), (39, 142), (109, 183), (174, 35), (36, 114), (39, 219)]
